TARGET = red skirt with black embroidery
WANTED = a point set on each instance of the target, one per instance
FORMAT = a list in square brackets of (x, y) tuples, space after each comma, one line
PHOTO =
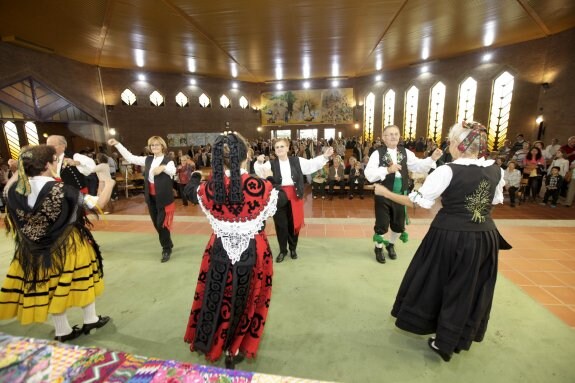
[(251, 321)]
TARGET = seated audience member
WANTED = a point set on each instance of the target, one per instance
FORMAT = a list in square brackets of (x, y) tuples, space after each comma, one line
[(336, 177), (356, 181), (569, 149), (318, 182), (570, 180), (512, 178), (553, 182)]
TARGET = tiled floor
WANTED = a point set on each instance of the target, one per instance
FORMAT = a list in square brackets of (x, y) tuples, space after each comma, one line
[(542, 261)]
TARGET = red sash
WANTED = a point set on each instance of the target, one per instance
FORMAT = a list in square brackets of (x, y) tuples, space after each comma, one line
[(296, 208), (169, 219), (152, 188)]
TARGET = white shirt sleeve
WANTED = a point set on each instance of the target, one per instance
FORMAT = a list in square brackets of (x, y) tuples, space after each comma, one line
[(261, 169), (312, 165), (419, 165), (498, 197), (434, 185), (125, 153), (87, 165), (374, 172), (170, 169)]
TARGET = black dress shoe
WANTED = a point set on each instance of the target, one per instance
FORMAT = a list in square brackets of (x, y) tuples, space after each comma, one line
[(76, 332), (445, 356), (379, 255), (102, 320), (166, 255), (280, 257), (293, 254), (391, 251), (231, 361)]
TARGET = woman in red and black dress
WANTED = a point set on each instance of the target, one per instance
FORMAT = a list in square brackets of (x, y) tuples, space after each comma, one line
[(234, 285)]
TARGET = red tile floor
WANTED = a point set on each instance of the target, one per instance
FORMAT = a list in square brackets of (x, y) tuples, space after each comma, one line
[(542, 261)]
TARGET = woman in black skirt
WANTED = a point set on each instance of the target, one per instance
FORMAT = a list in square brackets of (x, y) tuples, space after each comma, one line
[(448, 288)]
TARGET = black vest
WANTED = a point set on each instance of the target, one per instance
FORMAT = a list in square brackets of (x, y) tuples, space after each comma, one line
[(296, 174), (390, 178), (163, 183), (467, 200), (70, 175)]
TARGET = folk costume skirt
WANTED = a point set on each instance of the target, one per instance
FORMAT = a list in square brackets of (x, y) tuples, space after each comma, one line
[(231, 302), (77, 286), (448, 287)]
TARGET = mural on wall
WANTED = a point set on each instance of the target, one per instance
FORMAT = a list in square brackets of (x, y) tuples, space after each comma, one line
[(327, 106)]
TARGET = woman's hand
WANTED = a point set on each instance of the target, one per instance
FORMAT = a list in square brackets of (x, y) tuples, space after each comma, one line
[(437, 153), (159, 169), (112, 142), (261, 158), (328, 153)]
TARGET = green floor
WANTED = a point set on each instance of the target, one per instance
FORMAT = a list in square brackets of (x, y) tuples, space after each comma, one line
[(329, 317)]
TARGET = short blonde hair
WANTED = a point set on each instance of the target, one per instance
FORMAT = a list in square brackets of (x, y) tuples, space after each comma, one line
[(160, 141)]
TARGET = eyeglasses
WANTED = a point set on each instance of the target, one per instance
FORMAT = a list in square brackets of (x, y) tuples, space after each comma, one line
[(152, 145)]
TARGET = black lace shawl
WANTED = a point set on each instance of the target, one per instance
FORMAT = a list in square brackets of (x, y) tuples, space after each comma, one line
[(41, 232)]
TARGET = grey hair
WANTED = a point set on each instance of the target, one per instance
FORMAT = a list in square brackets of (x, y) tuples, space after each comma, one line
[(61, 139), (458, 133)]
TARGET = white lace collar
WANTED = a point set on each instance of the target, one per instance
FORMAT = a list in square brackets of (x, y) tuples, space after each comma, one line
[(474, 161), (236, 235)]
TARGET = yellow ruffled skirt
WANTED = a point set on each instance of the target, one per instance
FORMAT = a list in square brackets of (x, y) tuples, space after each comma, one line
[(77, 286)]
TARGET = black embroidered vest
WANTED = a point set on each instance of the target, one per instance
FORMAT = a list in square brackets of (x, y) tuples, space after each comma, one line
[(163, 183), (296, 174), (390, 178), (467, 201), (70, 175)]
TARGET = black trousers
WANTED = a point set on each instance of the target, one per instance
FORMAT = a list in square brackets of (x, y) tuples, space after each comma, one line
[(388, 214), (512, 190), (356, 186), (283, 222), (158, 214)]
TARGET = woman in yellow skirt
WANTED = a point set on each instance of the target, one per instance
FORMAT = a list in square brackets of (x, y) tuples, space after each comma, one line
[(57, 263)]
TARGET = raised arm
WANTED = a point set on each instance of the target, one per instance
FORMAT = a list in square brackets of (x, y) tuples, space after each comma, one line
[(126, 154)]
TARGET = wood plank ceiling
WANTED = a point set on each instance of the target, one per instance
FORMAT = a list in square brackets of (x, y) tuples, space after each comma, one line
[(267, 40)]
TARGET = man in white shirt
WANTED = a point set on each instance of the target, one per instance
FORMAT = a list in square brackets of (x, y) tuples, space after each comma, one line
[(389, 165), (72, 171)]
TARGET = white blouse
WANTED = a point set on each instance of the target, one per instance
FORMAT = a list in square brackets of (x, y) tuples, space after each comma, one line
[(141, 161), (38, 182), (436, 183)]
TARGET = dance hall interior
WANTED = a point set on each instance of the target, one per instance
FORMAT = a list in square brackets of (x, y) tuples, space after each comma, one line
[(320, 74)]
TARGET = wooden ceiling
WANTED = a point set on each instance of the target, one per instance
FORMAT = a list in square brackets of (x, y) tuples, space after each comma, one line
[(269, 39)]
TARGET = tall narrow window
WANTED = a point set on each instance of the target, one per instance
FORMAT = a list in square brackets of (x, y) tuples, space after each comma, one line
[(436, 106), (156, 99), (500, 110), (329, 133), (182, 100), (204, 100), (369, 115), (128, 97), (410, 116), (244, 102), (466, 100), (31, 133), (225, 101), (388, 107), (12, 139)]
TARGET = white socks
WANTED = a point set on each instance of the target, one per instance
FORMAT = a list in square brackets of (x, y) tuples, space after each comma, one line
[(90, 313), (393, 237), (61, 325)]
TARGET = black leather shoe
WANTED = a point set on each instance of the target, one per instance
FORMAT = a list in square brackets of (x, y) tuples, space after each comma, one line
[(280, 257), (379, 255), (391, 251), (231, 361), (445, 356), (100, 323), (293, 254), (166, 255), (76, 332)]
